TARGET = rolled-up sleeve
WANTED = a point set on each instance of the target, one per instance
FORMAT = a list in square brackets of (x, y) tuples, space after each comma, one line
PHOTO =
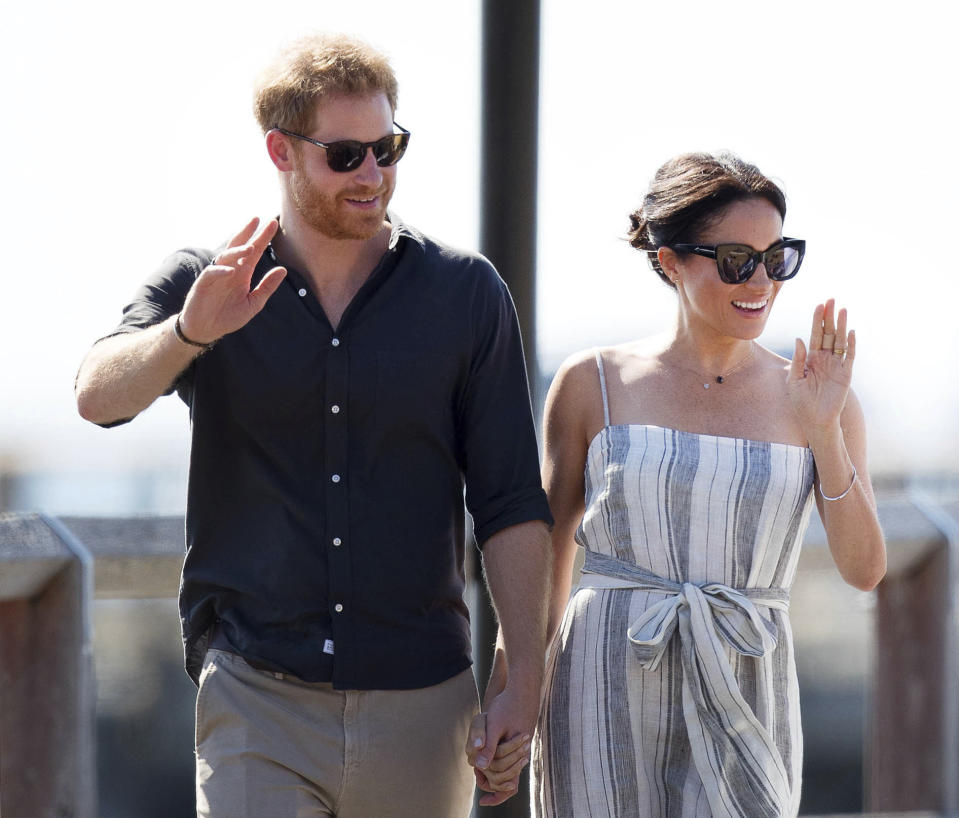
[(499, 451), (159, 297), (164, 292)]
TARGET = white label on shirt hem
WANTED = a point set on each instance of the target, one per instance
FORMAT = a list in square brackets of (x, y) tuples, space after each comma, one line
[(328, 646)]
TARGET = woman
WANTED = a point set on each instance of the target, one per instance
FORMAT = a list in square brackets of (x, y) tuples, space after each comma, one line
[(671, 687)]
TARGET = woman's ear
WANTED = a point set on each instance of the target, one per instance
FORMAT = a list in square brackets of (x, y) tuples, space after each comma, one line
[(279, 146), (669, 262)]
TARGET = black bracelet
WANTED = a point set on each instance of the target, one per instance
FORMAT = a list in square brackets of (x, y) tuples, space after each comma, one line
[(178, 330)]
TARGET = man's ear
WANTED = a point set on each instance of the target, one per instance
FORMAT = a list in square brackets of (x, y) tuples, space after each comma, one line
[(280, 148)]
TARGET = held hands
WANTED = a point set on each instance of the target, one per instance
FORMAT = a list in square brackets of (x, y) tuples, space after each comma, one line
[(499, 775), (221, 301), (819, 378), (498, 746)]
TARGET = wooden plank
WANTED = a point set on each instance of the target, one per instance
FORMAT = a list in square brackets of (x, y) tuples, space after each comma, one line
[(136, 557), (30, 556)]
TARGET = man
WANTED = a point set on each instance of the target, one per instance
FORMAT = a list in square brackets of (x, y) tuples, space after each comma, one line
[(346, 377)]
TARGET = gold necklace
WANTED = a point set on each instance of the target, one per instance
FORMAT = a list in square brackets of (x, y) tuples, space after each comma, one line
[(718, 378)]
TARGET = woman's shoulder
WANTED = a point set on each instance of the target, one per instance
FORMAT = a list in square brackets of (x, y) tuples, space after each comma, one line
[(577, 372), (585, 364)]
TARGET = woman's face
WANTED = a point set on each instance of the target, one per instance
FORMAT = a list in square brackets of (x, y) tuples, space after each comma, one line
[(706, 302)]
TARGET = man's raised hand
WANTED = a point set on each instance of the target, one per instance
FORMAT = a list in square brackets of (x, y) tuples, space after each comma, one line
[(221, 301)]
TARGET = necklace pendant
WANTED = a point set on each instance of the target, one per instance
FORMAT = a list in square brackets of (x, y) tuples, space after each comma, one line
[(705, 386), (720, 379)]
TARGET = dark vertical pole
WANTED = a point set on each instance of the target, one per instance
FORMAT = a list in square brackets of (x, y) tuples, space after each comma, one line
[(510, 102)]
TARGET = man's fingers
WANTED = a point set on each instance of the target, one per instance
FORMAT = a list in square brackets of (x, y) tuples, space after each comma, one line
[(476, 739), (246, 247), (215, 272), (267, 286), (265, 236), (492, 734), (244, 235)]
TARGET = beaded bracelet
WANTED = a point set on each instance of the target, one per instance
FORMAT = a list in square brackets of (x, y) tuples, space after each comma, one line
[(855, 475), (178, 330)]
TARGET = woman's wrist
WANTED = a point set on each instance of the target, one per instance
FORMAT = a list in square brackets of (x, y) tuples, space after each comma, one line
[(826, 439)]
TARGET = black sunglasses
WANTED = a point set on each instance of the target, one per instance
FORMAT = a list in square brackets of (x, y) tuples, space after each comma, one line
[(348, 154), (737, 262)]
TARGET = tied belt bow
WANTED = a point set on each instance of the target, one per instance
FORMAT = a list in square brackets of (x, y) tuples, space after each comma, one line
[(740, 766)]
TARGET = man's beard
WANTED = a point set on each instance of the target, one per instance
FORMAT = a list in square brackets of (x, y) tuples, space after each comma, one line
[(331, 217)]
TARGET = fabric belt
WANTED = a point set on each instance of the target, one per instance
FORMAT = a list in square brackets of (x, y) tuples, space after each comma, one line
[(739, 764)]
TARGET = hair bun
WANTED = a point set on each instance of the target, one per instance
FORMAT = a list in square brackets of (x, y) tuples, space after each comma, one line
[(688, 193)]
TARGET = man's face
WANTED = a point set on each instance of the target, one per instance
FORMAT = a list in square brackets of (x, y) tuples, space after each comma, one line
[(350, 205)]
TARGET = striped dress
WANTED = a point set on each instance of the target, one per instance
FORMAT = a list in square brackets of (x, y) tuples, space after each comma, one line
[(671, 685)]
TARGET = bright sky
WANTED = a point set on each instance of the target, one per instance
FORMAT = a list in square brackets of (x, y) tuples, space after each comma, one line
[(129, 134)]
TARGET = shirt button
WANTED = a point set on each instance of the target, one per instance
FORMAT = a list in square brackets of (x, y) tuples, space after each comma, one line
[(335, 342), (335, 409), (337, 541), (302, 292), (335, 478), (338, 608)]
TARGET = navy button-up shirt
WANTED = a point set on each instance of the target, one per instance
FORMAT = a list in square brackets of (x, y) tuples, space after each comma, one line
[(325, 515)]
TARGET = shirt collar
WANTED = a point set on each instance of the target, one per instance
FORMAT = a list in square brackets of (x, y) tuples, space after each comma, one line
[(398, 230)]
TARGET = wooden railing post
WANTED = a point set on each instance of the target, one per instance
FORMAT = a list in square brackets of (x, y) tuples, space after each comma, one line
[(913, 750), (47, 699)]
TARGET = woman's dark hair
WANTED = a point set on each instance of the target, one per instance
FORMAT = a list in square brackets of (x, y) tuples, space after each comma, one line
[(691, 192)]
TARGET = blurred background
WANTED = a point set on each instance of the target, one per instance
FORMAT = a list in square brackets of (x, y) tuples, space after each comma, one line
[(129, 133)]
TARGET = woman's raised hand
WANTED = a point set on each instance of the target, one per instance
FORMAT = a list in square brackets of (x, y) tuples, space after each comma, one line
[(819, 377)]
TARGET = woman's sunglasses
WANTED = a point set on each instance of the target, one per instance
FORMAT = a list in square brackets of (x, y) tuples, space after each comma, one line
[(348, 154), (737, 262)]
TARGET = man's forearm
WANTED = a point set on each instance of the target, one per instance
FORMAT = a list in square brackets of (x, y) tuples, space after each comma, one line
[(122, 375), (518, 570)]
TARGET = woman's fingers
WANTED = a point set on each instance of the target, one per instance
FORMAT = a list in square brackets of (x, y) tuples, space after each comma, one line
[(508, 762), (509, 754), (828, 326), (797, 369), (850, 347), (815, 336), (840, 341), (506, 748), (509, 767)]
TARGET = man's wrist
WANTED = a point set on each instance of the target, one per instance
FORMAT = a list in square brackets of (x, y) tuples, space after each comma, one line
[(528, 682), (183, 338)]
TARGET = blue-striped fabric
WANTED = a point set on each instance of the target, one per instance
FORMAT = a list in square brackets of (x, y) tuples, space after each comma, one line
[(710, 726)]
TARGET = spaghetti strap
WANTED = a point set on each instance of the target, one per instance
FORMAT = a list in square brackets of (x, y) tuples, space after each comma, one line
[(602, 386)]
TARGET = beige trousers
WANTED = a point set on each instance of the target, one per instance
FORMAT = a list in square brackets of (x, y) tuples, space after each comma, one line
[(271, 746)]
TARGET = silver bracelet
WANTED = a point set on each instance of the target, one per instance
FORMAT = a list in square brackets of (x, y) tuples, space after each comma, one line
[(855, 475)]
